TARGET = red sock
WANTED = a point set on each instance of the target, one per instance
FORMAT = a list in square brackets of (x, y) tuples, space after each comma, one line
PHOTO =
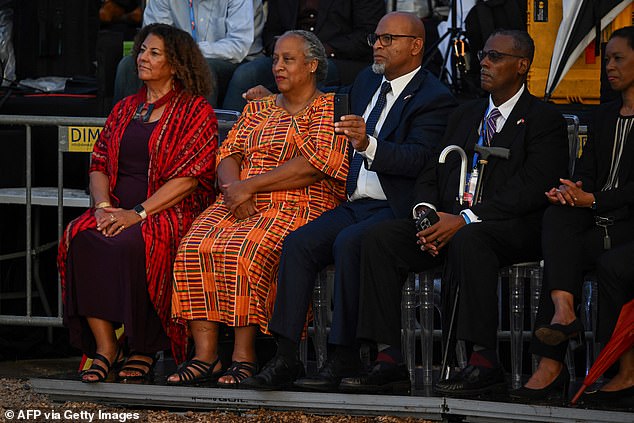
[(484, 358), (385, 358)]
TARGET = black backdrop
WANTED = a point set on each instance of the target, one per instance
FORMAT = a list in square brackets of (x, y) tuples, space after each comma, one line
[(55, 37)]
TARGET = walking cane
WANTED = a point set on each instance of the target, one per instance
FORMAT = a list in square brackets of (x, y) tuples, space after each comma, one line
[(461, 188), (483, 159), (463, 167)]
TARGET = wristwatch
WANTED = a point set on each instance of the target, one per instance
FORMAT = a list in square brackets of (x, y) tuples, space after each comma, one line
[(140, 210)]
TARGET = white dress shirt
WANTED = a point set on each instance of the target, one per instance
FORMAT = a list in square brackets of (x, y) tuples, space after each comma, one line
[(368, 184)]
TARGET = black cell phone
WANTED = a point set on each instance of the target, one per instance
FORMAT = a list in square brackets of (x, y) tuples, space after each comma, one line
[(342, 106), (426, 219)]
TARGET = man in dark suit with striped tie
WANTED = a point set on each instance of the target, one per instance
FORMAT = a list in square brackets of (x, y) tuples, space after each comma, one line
[(399, 113)]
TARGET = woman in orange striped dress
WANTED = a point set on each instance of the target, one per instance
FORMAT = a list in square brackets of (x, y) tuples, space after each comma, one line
[(280, 167)]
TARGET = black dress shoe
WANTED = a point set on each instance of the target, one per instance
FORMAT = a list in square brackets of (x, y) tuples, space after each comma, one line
[(278, 373), (329, 376), (610, 400), (381, 378), (557, 391), (473, 381), (555, 334)]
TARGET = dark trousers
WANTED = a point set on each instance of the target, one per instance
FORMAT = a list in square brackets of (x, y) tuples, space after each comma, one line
[(334, 237), (571, 244), (388, 254), (473, 259), (615, 272)]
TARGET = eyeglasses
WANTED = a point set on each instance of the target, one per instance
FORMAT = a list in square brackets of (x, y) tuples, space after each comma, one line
[(386, 39), (495, 56)]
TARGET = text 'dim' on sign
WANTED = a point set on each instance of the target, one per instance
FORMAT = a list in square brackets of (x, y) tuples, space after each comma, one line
[(81, 138)]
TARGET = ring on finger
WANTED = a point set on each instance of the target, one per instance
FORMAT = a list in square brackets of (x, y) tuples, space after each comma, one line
[(112, 218), (437, 242)]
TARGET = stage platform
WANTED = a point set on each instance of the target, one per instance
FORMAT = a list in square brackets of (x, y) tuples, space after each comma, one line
[(430, 408)]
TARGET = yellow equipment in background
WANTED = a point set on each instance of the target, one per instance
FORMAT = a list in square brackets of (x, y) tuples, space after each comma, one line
[(582, 83)]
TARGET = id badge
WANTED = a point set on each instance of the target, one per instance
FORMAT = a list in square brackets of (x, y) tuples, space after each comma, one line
[(472, 181)]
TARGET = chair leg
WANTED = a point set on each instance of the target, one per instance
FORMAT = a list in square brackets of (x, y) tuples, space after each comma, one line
[(408, 324), (303, 351), (589, 311), (320, 317), (445, 369), (426, 282), (516, 318), (500, 274), (461, 354), (570, 363), (536, 287)]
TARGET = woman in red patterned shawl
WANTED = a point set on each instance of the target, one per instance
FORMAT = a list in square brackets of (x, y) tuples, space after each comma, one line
[(280, 167), (151, 174)]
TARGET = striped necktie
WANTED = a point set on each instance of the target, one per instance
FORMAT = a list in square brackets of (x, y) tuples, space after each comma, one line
[(373, 119), (491, 125)]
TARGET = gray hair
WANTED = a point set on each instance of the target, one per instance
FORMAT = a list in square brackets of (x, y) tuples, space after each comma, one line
[(378, 68), (313, 50)]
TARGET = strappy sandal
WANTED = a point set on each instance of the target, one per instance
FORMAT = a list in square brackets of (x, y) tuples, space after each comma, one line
[(206, 374), (144, 368), (98, 370), (238, 371)]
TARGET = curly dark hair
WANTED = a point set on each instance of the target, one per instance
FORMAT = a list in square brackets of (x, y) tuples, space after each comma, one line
[(183, 54)]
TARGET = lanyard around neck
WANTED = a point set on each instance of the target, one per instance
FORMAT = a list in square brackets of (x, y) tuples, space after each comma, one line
[(482, 131), (192, 20)]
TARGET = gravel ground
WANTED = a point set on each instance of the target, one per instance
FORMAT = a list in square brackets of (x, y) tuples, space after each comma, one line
[(17, 397)]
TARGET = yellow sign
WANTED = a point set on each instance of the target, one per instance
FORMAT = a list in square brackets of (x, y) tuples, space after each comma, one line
[(82, 138)]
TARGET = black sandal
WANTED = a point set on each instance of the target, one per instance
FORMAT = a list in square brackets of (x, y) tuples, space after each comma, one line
[(145, 368), (187, 377), (98, 370), (238, 371)]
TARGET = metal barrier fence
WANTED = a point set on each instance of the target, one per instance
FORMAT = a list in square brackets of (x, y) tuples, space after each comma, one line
[(71, 137), (75, 134)]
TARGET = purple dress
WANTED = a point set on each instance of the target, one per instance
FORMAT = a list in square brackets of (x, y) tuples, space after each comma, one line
[(106, 276)]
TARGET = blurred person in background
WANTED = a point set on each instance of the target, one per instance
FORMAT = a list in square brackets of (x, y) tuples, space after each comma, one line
[(341, 26), (226, 31)]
